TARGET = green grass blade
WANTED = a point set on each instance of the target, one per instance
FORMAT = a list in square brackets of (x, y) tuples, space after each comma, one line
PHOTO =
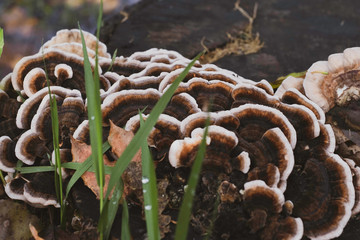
[(94, 111), (69, 165), (183, 221), (85, 166), (144, 131), (56, 146), (149, 190), (76, 166), (279, 80), (35, 169), (125, 228), (111, 206), (1, 41), (95, 120), (2, 178), (92, 87)]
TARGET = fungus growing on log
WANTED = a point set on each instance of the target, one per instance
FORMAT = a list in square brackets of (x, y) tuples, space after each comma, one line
[(37, 189), (35, 116), (220, 143), (323, 195), (264, 205), (269, 145), (332, 82)]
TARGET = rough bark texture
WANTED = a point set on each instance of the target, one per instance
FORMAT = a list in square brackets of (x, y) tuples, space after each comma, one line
[(295, 33)]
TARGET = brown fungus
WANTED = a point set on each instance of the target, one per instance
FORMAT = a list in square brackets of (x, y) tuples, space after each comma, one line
[(301, 117), (73, 36), (290, 83), (253, 134), (220, 143), (210, 95), (264, 205), (355, 170), (34, 142), (7, 154), (293, 96), (37, 189), (323, 195), (120, 106), (164, 133), (336, 81), (256, 119), (29, 72)]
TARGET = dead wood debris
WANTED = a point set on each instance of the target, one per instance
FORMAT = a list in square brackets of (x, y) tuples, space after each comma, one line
[(244, 43)]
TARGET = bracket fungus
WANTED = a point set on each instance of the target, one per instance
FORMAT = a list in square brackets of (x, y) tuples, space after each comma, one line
[(264, 205), (332, 82), (264, 150)]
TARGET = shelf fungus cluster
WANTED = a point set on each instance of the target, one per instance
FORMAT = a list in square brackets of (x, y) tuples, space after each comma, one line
[(270, 156), (332, 82)]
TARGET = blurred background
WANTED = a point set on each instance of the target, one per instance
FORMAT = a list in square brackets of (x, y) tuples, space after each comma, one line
[(28, 23)]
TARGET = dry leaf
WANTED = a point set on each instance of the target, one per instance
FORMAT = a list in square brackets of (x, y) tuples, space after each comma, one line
[(119, 139), (80, 152)]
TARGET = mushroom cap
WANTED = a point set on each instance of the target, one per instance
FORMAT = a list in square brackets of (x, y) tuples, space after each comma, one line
[(272, 148), (269, 173), (36, 80), (8, 106), (7, 155), (82, 132), (211, 95), (120, 106), (290, 83), (164, 133), (156, 55), (14, 188), (266, 86), (355, 170), (244, 93), (323, 195), (37, 189), (264, 204), (73, 36), (220, 143), (303, 119), (40, 190), (201, 72), (181, 105), (335, 81), (313, 82), (256, 119), (33, 143), (294, 96), (29, 147), (258, 196)]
